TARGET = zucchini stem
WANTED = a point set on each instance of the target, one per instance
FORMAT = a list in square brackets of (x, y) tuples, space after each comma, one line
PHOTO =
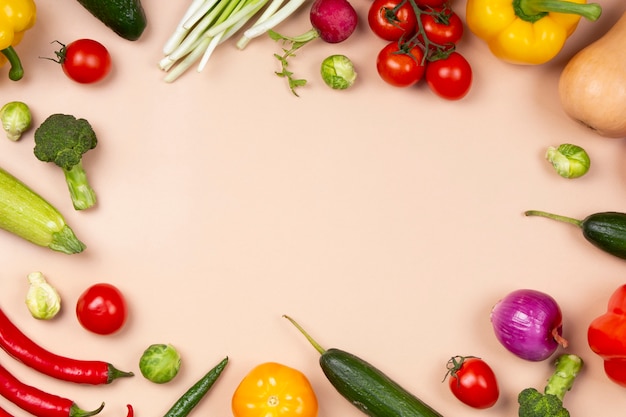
[(66, 241), (557, 217), (316, 345)]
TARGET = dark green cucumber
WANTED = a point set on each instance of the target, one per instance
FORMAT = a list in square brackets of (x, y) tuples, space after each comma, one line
[(606, 230), (125, 17), (365, 386)]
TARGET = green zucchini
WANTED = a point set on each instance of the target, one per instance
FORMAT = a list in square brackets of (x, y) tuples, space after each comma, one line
[(125, 17), (606, 230), (27, 215), (365, 386)]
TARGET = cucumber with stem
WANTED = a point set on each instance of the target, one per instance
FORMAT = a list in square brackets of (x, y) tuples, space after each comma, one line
[(605, 230), (26, 214), (365, 386)]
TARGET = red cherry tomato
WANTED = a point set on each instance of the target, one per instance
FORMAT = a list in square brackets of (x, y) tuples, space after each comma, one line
[(102, 309), (444, 29), (451, 77), (398, 67), (391, 19), (472, 381), (85, 61)]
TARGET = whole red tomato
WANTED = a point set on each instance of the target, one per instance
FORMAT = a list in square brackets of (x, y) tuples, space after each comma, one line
[(607, 337), (391, 19), (472, 381), (450, 77), (85, 61), (398, 67), (102, 309), (444, 28)]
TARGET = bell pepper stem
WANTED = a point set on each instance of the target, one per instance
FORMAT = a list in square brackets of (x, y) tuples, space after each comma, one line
[(533, 10), (17, 71)]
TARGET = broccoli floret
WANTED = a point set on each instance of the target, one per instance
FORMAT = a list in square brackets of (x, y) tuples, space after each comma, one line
[(64, 139), (532, 403)]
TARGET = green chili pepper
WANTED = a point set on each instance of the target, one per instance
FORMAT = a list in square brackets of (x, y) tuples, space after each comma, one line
[(196, 392)]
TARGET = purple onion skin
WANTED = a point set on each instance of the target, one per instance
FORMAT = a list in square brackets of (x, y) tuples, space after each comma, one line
[(529, 324)]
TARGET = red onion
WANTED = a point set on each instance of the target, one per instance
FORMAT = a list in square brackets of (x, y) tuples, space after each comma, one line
[(529, 324)]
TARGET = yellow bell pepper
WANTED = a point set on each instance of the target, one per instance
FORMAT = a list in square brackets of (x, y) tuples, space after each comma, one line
[(527, 31), (16, 16)]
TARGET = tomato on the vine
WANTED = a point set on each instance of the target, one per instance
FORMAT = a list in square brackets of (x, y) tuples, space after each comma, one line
[(85, 61), (102, 309), (398, 67), (449, 77), (444, 28), (472, 381), (391, 19)]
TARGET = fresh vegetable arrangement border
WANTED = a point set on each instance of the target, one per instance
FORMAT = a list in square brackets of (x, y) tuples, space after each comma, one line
[(421, 38)]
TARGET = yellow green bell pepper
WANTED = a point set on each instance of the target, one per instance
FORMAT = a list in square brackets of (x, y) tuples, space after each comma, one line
[(527, 31), (16, 16)]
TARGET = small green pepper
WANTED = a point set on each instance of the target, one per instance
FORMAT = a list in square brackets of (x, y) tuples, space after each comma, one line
[(187, 402)]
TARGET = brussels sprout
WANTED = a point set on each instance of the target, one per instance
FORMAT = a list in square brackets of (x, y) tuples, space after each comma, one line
[(338, 72), (160, 363), (569, 161), (16, 119), (42, 299)]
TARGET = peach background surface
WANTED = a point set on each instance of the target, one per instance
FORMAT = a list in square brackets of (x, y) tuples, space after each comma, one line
[(387, 221)]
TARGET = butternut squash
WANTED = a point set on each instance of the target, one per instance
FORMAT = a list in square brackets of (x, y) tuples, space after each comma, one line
[(592, 86)]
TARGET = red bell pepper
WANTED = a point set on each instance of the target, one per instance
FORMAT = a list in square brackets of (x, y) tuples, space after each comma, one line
[(607, 337)]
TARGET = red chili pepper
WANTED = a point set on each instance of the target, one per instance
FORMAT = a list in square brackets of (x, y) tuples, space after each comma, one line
[(131, 413), (38, 402), (20, 347), (607, 337)]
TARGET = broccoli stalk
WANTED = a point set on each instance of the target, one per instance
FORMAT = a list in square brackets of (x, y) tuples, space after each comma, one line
[(532, 403), (83, 196), (64, 139)]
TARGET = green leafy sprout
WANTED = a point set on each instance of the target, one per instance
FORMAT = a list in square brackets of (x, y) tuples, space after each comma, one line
[(569, 161), (338, 72), (292, 45), (16, 118), (160, 363)]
